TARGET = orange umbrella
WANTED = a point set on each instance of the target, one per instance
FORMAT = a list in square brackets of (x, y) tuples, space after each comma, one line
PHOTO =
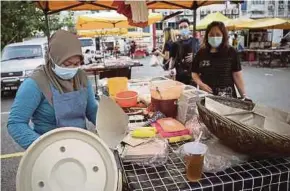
[(51, 7)]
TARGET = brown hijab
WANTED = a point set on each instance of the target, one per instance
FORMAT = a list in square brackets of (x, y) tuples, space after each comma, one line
[(62, 45)]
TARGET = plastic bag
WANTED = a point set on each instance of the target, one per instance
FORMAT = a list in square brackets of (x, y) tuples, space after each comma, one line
[(196, 126), (151, 153), (218, 157), (154, 61)]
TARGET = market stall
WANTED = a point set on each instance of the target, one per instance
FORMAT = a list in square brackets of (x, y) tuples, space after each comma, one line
[(150, 157), (265, 57), (224, 168), (142, 40), (159, 117), (112, 67), (260, 38)]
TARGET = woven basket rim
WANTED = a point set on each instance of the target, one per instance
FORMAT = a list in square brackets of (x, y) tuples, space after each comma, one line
[(237, 124)]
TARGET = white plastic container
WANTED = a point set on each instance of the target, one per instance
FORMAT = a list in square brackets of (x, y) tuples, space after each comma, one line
[(187, 103)]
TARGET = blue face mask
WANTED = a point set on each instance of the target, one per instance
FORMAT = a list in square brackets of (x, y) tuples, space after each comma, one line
[(64, 73), (215, 41), (184, 32)]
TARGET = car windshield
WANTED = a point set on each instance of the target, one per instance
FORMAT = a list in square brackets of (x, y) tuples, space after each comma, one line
[(86, 42), (22, 52)]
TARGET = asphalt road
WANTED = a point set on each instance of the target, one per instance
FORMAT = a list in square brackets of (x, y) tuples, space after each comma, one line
[(266, 86)]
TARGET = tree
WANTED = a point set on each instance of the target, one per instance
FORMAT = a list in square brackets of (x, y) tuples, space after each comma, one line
[(21, 19)]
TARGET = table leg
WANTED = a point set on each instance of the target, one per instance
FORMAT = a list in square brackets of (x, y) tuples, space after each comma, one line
[(271, 59), (129, 72)]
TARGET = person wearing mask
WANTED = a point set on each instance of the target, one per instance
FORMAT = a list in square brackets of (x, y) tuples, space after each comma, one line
[(183, 52), (216, 67), (57, 94), (87, 57), (169, 39)]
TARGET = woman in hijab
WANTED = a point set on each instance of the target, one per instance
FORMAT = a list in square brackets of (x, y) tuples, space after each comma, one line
[(58, 94)]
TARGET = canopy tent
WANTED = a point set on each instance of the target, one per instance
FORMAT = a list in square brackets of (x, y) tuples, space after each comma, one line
[(267, 23), (103, 32), (237, 24), (136, 35), (202, 25), (109, 20), (51, 7)]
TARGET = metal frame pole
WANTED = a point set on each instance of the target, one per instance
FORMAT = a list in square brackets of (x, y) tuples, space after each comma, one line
[(194, 20), (47, 25)]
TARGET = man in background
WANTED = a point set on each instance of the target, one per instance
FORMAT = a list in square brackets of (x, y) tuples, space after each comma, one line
[(183, 51), (235, 41)]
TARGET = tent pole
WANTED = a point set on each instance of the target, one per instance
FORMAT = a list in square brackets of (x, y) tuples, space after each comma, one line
[(154, 32), (194, 20), (47, 25)]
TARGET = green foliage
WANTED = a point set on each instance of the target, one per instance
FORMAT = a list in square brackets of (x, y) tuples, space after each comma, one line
[(21, 19)]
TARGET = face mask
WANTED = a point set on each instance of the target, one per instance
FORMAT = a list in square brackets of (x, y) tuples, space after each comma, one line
[(215, 41), (184, 32), (64, 73)]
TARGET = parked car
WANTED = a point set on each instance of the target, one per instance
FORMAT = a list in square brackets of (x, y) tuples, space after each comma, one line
[(19, 60)]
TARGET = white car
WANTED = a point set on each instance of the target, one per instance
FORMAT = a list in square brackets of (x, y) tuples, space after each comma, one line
[(19, 60)]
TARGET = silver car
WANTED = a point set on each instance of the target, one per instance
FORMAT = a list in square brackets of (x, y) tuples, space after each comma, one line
[(19, 60)]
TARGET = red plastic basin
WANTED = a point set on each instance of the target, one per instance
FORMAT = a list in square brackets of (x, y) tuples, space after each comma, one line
[(127, 98)]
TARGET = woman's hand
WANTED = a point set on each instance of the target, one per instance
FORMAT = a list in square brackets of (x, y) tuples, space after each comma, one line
[(157, 52), (205, 87), (188, 58)]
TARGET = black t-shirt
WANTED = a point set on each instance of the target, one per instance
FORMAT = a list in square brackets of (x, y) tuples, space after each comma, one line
[(216, 70), (167, 47), (179, 51), (184, 47)]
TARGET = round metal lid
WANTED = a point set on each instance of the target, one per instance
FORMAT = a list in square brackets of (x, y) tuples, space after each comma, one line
[(67, 159)]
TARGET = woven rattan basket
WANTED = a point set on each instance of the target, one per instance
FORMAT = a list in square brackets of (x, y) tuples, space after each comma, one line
[(249, 140)]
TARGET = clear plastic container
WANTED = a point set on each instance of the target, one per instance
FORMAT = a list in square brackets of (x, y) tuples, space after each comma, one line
[(164, 95), (166, 89)]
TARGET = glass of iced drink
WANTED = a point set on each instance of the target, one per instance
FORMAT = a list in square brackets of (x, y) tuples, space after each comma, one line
[(194, 156)]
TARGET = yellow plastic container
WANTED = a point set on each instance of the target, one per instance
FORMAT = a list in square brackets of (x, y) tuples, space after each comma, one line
[(116, 85), (179, 138), (144, 132)]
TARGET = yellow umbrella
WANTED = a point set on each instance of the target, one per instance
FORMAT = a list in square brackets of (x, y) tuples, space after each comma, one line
[(268, 23), (202, 25), (236, 24), (109, 20), (103, 32), (136, 35)]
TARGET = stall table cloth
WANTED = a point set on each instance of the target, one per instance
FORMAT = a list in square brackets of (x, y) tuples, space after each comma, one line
[(256, 175)]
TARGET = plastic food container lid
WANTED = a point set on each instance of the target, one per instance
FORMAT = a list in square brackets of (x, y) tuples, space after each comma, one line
[(68, 159)]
